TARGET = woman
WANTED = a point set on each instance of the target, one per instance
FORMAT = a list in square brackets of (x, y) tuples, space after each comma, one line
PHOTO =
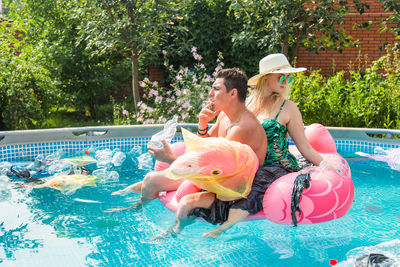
[(278, 115)]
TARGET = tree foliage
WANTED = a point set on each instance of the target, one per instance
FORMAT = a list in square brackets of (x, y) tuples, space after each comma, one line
[(128, 28), (26, 90), (281, 26), (392, 23), (85, 79), (81, 51)]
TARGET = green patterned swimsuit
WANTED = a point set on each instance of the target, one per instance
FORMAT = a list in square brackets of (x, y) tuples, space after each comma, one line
[(278, 145)]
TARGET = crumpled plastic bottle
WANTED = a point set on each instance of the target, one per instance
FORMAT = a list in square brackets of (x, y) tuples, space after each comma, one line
[(145, 162), (135, 152), (118, 158), (167, 133)]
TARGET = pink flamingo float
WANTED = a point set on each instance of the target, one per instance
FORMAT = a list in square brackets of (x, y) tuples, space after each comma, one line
[(329, 195)]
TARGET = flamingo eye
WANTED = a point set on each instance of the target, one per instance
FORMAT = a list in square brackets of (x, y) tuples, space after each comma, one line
[(216, 172)]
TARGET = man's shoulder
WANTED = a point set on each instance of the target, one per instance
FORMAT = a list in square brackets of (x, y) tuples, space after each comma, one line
[(250, 127), (250, 120)]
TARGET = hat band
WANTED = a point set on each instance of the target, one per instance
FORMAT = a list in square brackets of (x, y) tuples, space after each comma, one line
[(275, 69)]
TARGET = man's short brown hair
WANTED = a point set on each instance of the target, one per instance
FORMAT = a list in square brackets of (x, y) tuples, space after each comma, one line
[(235, 78)]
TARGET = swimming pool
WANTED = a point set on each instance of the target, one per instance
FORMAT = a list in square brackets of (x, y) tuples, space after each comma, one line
[(43, 227)]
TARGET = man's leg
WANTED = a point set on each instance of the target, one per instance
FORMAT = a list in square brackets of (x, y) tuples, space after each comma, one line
[(186, 204), (235, 215), (133, 188), (152, 184)]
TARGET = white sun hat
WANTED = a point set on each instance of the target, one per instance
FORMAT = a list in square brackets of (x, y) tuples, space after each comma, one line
[(273, 63)]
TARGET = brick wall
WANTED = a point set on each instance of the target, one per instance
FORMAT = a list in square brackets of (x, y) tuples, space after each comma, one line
[(371, 42), (155, 73)]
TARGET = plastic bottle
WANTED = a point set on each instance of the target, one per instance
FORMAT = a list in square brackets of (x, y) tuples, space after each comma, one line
[(167, 133), (118, 158)]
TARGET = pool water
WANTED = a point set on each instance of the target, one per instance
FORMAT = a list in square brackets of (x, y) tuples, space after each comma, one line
[(43, 227)]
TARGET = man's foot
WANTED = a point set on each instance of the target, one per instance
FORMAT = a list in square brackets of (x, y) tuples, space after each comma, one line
[(182, 222), (115, 210), (135, 188), (170, 232), (213, 234), (135, 206)]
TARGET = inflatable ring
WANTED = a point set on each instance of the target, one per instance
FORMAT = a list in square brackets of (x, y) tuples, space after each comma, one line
[(329, 196), (178, 149)]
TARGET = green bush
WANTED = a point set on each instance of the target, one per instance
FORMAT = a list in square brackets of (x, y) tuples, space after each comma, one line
[(369, 98), (26, 90), (365, 99)]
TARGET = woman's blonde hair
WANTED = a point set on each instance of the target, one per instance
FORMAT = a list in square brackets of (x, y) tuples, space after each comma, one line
[(257, 96)]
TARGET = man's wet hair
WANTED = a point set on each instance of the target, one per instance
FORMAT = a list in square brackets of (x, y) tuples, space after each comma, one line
[(234, 78)]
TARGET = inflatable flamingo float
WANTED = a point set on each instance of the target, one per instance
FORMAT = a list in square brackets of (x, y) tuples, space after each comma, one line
[(328, 197)]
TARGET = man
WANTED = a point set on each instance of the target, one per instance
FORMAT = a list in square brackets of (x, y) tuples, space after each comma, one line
[(235, 122)]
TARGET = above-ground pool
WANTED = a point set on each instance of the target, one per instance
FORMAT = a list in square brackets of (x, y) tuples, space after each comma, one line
[(46, 227)]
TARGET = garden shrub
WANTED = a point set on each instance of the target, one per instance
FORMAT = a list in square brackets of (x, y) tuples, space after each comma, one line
[(26, 90), (360, 98), (369, 98), (184, 97)]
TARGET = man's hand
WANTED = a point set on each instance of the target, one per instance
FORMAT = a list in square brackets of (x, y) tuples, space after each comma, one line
[(206, 115), (163, 154)]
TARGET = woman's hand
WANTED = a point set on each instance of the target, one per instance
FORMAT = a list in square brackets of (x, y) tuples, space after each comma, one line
[(325, 164)]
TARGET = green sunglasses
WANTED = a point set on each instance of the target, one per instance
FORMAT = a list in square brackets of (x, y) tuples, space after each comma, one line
[(283, 78)]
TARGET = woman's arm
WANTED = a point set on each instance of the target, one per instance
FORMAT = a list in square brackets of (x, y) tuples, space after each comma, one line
[(295, 127)]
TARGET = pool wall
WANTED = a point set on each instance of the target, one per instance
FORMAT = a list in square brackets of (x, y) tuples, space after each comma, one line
[(27, 144)]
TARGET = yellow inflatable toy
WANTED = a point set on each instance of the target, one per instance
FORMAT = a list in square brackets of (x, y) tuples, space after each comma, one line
[(80, 160), (216, 164), (68, 184)]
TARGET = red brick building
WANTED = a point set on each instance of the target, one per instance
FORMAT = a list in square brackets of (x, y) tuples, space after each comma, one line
[(371, 43)]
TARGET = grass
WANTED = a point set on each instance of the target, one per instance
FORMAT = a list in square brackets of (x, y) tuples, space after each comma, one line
[(68, 117)]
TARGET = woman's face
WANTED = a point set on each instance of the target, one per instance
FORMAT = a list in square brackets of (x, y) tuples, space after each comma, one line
[(277, 82)]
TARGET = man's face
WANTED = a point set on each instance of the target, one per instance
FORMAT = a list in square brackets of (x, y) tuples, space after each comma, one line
[(218, 94)]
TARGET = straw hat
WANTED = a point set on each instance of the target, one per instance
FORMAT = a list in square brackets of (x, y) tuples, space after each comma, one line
[(273, 63)]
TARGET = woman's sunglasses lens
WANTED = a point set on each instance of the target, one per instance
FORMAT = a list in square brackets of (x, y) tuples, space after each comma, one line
[(283, 78)]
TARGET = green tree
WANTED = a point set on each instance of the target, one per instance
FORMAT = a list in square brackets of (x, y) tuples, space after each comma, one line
[(26, 89), (209, 28), (128, 27), (84, 78), (281, 26)]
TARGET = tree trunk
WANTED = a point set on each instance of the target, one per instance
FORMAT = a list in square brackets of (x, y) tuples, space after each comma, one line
[(92, 109), (2, 124), (135, 78), (285, 46)]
